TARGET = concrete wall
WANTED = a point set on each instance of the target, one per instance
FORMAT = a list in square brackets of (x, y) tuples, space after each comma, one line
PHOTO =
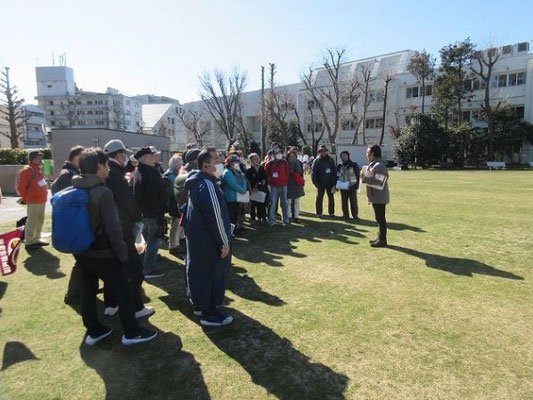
[(8, 175), (64, 139)]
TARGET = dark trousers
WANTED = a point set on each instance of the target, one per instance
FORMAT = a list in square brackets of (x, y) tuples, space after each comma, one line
[(351, 196), (134, 275), (112, 273), (234, 210), (320, 200), (379, 212), (74, 282), (258, 209)]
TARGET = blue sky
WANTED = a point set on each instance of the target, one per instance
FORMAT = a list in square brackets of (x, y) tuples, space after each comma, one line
[(162, 46)]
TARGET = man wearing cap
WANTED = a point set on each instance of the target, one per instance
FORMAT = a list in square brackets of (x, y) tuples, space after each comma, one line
[(277, 172), (151, 195), (34, 192), (129, 214), (324, 177)]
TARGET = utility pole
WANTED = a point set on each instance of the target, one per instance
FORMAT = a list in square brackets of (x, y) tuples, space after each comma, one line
[(263, 127)]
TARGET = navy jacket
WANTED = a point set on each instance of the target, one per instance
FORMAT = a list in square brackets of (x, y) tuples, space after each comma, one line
[(207, 223), (324, 173)]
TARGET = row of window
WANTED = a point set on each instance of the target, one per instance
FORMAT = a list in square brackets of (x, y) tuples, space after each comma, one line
[(416, 91), (477, 115), (512, 79)]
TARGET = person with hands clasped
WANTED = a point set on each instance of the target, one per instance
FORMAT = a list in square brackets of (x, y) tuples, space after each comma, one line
[(324, 177)]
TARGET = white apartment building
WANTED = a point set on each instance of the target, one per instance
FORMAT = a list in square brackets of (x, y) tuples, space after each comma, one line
[(512, 83), (66, 106), (162, 120), (35, 127)]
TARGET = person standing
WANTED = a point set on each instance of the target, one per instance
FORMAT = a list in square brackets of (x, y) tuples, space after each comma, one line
[(129, 215), (258, 183), (348, 173), (174, 166), (106, 257), (277, 172), (64, 180), (34, 192), (324, 177), (68, 171), (295, 188), (208, 231), (233, 183), (151, 195), (377, 175)]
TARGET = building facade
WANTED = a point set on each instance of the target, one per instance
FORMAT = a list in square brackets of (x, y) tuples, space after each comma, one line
[(66, 106), (35, 127), (512, 83)]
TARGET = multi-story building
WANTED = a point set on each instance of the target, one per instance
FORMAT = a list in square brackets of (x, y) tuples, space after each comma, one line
[(66, 106), (512, 83), (35, 127)]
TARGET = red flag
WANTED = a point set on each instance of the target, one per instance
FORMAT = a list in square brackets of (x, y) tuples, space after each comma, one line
[(10, 243)]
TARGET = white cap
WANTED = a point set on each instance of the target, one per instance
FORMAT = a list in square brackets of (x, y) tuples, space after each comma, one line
[(115, 145)]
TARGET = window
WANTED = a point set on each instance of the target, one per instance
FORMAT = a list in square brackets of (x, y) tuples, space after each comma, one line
[(491, 52), (379, 122), (345, 125), (48, 86), (53, 123), (89, 112), (519, 111), (173, 120), (318, 127), (168, 120), (412, 92), (51, 102), (51, 112), (520, 78), (345, 100), (467, 85), (507, 49), (80, 112), (512, 79), (524, 46), (466, 116), (81, 122), (429, 90), (502, 80), (310, 104), (89, 102), (78, 102), (370, 123)]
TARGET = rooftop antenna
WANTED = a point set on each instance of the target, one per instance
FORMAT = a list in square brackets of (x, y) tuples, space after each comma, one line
[(63, 59), (53, 59)]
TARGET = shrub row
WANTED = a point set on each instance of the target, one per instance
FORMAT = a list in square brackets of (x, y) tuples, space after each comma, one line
[(19, 156)]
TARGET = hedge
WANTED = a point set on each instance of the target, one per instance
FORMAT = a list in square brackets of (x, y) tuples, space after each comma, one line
[(20, 156)]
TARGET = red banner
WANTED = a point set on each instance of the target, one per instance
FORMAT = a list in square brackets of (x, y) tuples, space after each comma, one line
[(9, 250)]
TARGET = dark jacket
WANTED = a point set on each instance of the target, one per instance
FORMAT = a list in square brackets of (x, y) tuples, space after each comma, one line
[(128, 209), (207, 223), (349, 172), (150, 191), (180, 191), (295, 191), (64, 180), (257, 178), (324, 173), (104, 219)]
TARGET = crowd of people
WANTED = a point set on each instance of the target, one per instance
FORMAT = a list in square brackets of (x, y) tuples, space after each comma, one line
[(203, 196)]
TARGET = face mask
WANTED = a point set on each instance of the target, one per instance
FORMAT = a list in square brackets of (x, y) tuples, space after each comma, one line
[(220, 170), (242, 160), (236, 165), (279, 156)]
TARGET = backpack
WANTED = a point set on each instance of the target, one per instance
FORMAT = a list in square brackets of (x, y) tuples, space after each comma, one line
[(71, 227), (19, 173)]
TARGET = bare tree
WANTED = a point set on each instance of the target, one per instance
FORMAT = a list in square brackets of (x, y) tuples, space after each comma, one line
[(386, 81), (118, 114), (422, 66), (366, 92), (278, 104), (222, 97), (13, 113), (312, 128), (482, 67), (69, 109), (354, 94), (192, 120), (327, 95)]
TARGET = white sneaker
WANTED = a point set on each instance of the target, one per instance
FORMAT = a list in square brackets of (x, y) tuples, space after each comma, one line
[(110, 311), (90, 341), (145, 312)]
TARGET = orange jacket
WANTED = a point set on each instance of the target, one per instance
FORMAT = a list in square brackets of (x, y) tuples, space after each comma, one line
[(32, 187)]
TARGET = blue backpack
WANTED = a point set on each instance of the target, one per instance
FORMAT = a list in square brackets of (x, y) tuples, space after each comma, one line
[(71, 228)]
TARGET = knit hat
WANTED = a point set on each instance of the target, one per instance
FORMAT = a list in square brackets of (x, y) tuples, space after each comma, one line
[(192, 155), (175, 162)]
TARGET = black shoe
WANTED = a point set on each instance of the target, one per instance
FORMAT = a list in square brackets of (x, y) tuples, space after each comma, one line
[(32, 247), (379, 243), (142, 335)]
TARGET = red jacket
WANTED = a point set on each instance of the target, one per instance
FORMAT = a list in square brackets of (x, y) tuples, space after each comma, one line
[(32, 186), (277, 172)]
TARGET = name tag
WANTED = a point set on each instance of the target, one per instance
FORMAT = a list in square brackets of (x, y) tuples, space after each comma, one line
[(275, 174), (42, 182), (328, 171)]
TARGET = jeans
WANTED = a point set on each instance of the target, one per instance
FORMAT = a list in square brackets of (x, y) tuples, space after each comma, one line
[(153, 234), (379, 212), (278, 193), (320, 200), (294, 207), (349, 195), (112, 273)]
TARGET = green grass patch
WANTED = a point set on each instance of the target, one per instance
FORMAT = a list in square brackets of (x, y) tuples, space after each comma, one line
[(444, 312)]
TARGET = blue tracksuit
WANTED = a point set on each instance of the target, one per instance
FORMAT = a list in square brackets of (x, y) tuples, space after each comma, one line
[(207, 228)]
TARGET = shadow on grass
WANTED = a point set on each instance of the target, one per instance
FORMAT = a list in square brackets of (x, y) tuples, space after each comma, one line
[(15, 352), (273, 362), (159, 369), (457, 266), (41, 262), (3, 287)]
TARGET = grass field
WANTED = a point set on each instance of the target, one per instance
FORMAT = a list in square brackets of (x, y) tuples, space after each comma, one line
[(444, 313)]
